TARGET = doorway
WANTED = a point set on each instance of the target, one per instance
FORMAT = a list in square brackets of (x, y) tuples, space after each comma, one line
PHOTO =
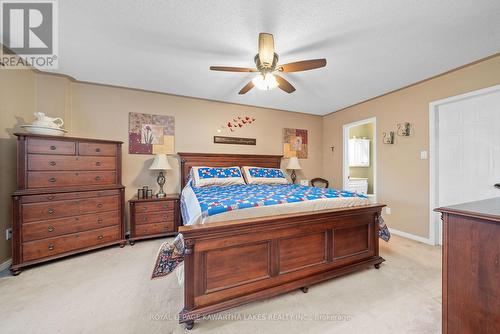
[(464, 151), (360, 157)]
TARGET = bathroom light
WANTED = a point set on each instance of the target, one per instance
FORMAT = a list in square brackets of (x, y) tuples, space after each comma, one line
[(265, 82)]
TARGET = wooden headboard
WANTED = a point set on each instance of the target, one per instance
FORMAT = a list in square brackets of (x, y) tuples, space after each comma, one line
[(189, 160)]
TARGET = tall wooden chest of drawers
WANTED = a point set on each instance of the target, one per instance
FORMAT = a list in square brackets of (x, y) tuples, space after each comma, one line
[(69, 198), (471, 267)]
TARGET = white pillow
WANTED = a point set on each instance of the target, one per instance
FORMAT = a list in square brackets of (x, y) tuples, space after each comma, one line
[(222, 176), (260, 175)]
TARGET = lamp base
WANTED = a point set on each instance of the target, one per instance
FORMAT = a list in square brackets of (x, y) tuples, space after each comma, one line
[(293, 176), (161, 182)]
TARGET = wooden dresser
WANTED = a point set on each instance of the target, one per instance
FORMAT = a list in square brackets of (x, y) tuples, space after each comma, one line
[(69, 198), (471, 267), (153, 217)]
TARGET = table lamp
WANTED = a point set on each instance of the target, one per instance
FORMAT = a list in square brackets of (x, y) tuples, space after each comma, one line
[(160, 163), (293, 165)]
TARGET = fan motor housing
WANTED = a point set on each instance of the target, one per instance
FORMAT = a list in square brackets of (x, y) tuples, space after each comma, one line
[(264, 67)]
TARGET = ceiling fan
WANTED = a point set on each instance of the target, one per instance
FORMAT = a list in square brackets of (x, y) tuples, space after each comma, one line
[(266, 62)]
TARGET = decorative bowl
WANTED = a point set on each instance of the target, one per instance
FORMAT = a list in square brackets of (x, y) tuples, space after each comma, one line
[(44, 130)]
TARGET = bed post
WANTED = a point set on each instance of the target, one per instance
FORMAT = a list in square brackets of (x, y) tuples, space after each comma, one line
[(377, 226), (188, 284), (183, 176)]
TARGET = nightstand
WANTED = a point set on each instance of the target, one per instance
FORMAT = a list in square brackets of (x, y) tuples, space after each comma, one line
[(153, 217)]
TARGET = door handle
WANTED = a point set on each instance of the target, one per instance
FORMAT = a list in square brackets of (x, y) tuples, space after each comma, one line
[(497, 185)]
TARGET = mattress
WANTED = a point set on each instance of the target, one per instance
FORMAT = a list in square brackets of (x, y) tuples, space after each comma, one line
[(224, 203)]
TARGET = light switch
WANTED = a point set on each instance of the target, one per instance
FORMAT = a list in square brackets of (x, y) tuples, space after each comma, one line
[(304, 182), (423, 155), (387, 210)]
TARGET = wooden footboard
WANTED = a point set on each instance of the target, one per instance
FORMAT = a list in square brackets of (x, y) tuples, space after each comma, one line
[(232, 263)]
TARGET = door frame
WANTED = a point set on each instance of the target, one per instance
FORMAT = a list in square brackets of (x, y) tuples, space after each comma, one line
[(435, 226), (345, 163)]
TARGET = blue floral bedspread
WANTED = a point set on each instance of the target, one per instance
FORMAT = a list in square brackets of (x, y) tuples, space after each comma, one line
[(218, 199)]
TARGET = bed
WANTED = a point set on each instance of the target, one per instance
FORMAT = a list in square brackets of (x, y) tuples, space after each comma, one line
[(241, 257)]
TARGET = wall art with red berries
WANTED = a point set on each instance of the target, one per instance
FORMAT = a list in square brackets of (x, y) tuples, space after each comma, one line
[(237, 123)]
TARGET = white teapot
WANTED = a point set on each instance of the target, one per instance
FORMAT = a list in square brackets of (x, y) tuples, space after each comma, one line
[(50, 122)]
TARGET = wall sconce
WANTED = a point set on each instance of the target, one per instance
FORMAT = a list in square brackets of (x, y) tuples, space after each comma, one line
[(388, 137), (405, 129)]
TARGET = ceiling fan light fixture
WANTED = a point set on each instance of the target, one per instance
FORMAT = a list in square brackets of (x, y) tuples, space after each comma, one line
[(265, 81)]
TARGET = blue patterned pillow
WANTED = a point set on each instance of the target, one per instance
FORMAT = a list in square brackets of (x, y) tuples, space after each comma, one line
[(208, 176), (259, 175)]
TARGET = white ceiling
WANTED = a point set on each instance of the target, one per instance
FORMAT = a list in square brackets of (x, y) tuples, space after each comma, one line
[(371, 47)]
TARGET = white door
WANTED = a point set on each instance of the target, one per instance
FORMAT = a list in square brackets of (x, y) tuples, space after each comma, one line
[(469, 149)]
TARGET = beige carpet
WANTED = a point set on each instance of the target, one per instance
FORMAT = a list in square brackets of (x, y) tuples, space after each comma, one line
[(109, 291)]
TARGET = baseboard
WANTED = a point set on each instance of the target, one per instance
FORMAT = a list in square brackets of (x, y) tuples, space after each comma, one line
[(5, 265), (411, 236)]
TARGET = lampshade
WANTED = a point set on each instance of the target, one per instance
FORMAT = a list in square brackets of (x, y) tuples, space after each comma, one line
[(293, 163), (160, 163)]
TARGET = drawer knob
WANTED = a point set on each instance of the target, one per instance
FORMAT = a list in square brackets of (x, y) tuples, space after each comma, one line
[(145, 219), (100, 237), (144, 209), (50, 229), (99, 221), (50, 198), (97, 178), (52, 163), (98, 150), (51, 211), (98, 163), (51, 246), (165, 217), (52, 179), (53, 147), (99, 205)]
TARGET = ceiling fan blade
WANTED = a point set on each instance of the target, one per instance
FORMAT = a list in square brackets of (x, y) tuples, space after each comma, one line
[(303, 65), (232, 69), (247, 87), (284, 84), (266, 49)]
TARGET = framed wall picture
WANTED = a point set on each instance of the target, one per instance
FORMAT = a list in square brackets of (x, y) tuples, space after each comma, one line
[(151, 134), (295, 143)]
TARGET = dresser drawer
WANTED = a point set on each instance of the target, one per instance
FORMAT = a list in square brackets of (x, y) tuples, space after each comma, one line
[(155, 228), (154, 217), (52, 246), (69, 208), (56, 227), (67, 196), (96, 149), (99, 204), (50, 146), (154, 206), (39, 162), (67, 179)]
